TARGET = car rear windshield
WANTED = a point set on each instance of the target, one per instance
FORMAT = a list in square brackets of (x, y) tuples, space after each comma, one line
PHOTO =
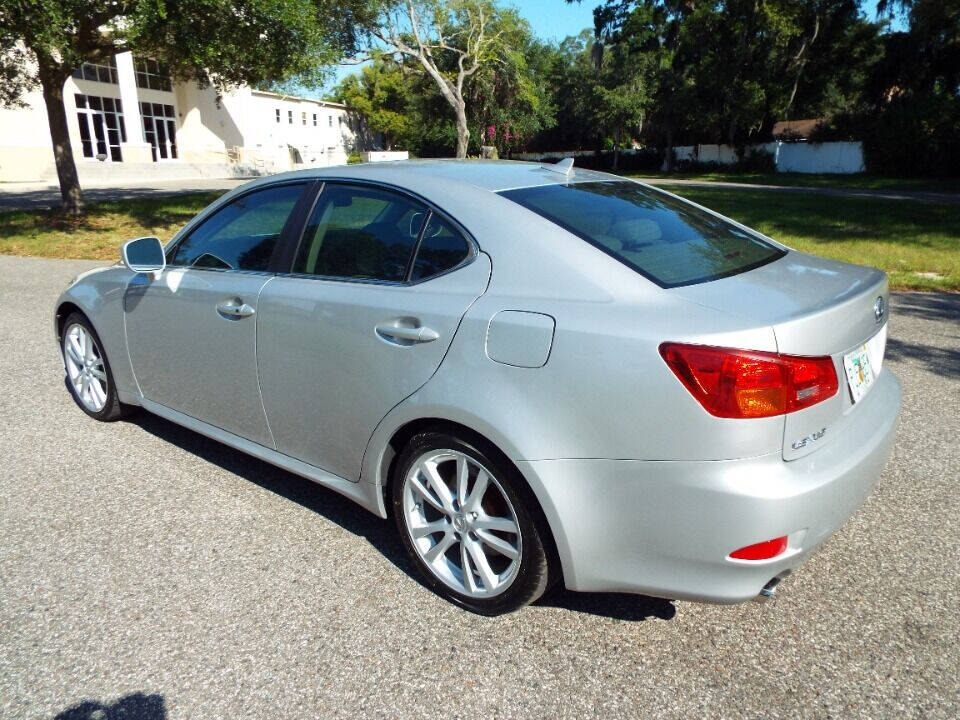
[(663, 238)]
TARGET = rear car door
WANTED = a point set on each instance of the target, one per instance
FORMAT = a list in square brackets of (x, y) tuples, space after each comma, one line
[(378, 287), (192, 333)]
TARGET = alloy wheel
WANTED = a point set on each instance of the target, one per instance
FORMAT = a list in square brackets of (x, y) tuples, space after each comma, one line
[(461, 523), (85, 367)]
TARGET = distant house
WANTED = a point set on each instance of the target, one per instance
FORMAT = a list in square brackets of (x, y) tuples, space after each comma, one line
[(130, 120), (793, 130)]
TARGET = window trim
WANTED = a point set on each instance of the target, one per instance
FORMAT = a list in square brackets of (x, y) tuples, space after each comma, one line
[(289, 227), (473, 248)]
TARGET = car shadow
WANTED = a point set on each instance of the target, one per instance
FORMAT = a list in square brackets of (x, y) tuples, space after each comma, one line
[(136, 706), (381, 534), (928, 306), (937, 360)]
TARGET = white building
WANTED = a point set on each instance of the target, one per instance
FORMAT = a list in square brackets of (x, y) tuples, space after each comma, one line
[(129, 120)]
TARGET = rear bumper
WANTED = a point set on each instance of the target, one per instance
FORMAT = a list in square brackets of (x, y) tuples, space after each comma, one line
[(666, 528)]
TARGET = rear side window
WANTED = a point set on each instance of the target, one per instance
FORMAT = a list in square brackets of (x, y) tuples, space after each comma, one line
[(665, 239), (360, 233), (441, 249), (241, 235)]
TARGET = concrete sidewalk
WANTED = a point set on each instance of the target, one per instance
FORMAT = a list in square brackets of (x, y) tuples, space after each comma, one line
[(37, 195)]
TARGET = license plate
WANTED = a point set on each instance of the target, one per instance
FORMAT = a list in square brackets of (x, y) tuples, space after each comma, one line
[(863, 364)]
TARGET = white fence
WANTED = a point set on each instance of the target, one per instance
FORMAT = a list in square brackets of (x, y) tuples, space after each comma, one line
[(799, 157)]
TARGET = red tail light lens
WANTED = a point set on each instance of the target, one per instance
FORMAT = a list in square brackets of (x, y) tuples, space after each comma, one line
[(733, 383), (761, 551)]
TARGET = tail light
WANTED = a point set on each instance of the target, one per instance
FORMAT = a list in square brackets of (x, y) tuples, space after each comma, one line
[(732, 383)]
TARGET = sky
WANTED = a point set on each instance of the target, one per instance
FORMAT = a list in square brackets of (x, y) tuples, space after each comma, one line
[(549, 20)]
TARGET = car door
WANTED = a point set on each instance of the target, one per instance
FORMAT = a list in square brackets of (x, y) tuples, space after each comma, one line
[(378, 289), (192, 333)]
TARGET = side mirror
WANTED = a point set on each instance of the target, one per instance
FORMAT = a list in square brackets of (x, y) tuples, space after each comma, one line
[(144, 255)]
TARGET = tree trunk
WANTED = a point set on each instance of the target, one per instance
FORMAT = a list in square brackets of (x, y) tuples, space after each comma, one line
[(668, 155), (616, 148), (51, 80), (463, 131)]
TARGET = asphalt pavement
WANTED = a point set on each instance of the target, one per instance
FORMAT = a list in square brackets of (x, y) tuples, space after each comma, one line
[(149, 573)]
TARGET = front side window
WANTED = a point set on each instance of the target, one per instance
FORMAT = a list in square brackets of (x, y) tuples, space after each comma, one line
[(665, 239), (241, 235), (360, 233)]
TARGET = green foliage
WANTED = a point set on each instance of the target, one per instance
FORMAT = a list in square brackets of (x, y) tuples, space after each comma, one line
[(211, 41), (486, 59)]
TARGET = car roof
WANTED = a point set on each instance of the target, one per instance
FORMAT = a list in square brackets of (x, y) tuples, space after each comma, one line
[(491, 175)]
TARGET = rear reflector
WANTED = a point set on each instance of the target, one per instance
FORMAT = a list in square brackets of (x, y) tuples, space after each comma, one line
[(762, 551), (732, 383)]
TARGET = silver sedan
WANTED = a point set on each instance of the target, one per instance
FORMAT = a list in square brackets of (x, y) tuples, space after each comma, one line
[(541, 373)]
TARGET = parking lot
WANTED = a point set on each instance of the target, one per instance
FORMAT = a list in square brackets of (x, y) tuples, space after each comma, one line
[(150, 573)]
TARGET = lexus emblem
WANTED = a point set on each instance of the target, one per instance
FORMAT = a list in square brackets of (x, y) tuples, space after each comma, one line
[(879, 309)]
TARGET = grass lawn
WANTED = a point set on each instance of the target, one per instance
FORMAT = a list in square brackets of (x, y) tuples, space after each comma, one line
[(99, 234), (857, 181), (918, 244)]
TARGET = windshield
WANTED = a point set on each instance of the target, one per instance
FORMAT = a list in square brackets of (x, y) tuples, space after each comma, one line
[(663, 238)]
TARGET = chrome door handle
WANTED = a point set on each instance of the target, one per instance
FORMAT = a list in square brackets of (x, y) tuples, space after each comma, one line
[(235, 310), (406, 335)]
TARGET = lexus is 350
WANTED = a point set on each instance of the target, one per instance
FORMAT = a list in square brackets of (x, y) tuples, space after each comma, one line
[(541, 373)]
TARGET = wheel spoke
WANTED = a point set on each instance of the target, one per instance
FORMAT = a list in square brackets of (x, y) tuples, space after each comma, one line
[(98, 374), (498, 524), (463, 475), (498, 544), (430, 528), (429, 469), (71, 349), (77, 348), (422, 491), (440, 548), (87, 345), (479, 490), (97, 393), (483, 565), (469, 581)]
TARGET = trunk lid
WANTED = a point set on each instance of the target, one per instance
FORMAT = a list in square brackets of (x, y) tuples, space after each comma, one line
[(815, 307)]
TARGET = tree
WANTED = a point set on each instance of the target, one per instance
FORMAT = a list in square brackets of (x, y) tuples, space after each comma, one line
[(450, 40), (212, 42), (382, 94)]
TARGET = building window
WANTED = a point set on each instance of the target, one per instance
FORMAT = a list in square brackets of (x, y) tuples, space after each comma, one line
[(101, 127), (289, 117), (303, 118), (160, 130), (340, 120), (278, 114), (329, 120), (153, 75), (104, 71), (314, 119)]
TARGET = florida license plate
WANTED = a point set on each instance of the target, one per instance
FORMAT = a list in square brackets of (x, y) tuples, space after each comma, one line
[(863, 364)]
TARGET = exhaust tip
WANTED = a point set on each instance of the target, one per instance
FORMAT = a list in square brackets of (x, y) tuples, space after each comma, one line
[(770, 589)]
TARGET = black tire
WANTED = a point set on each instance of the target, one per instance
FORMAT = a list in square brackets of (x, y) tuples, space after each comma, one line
[(112, 409), (533, 575)]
